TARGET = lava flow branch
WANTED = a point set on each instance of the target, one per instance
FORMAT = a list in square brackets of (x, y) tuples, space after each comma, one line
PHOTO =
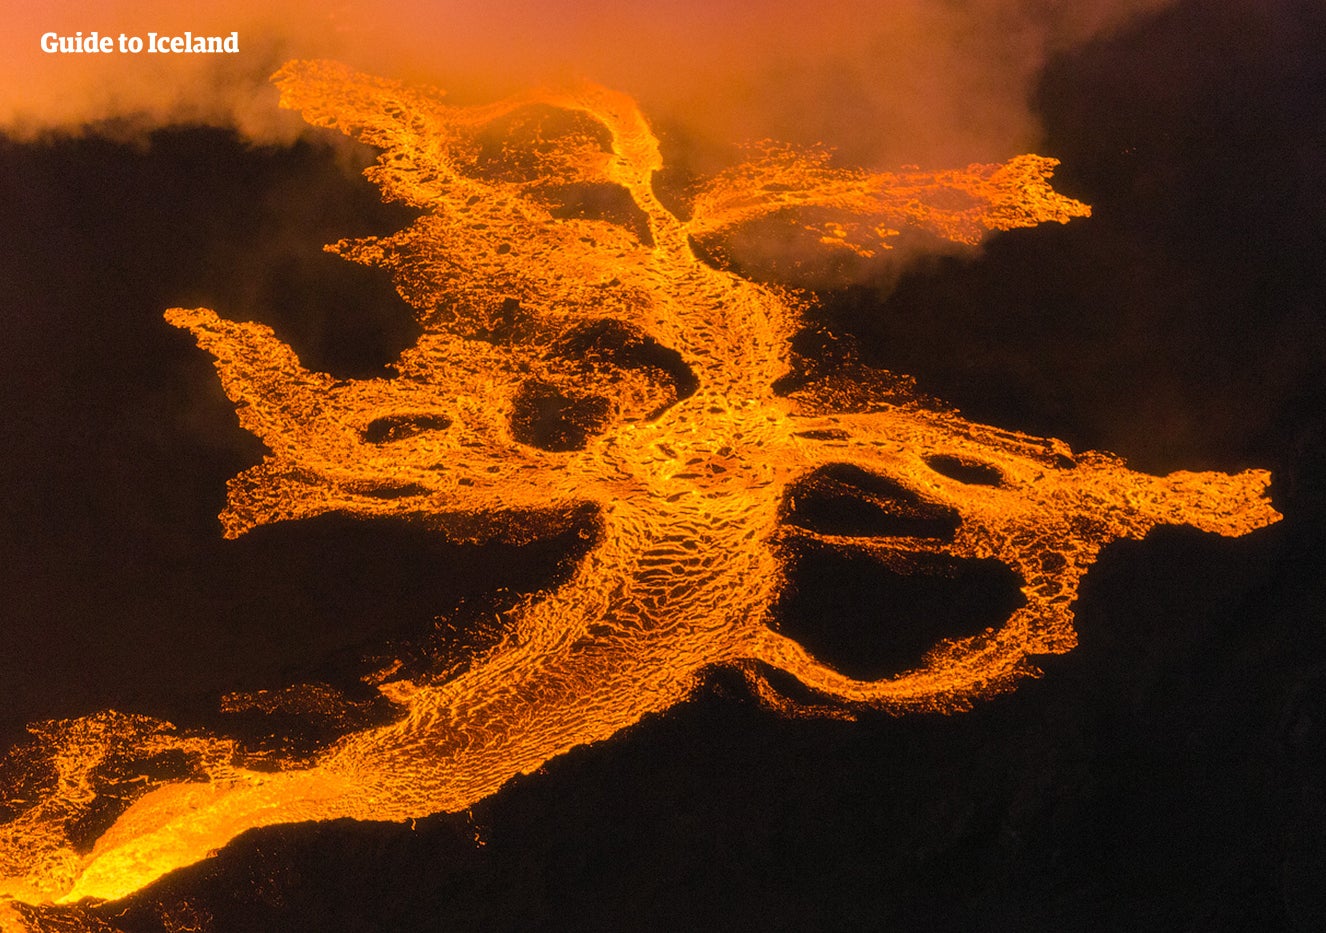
[(577, 353)]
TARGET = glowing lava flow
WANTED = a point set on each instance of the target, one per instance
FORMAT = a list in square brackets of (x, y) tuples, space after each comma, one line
[(549, 277)]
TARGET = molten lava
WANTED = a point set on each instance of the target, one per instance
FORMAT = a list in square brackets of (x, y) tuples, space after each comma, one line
[(543, 268)]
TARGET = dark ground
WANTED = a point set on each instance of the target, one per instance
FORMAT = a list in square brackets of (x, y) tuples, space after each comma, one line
[(1165, 775)]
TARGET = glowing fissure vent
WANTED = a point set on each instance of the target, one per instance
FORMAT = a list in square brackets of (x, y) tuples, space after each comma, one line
[(520, 396)]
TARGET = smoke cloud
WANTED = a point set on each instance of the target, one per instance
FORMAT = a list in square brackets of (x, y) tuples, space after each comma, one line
[(927, 82)]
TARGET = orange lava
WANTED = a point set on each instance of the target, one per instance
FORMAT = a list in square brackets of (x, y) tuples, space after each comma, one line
[(540, 218)]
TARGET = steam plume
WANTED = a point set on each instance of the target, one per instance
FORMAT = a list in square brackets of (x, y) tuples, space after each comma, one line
[(908, 81)]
